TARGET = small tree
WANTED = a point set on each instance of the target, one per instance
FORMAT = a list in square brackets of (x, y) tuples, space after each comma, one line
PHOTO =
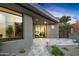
[(9, 30), (65, 28)]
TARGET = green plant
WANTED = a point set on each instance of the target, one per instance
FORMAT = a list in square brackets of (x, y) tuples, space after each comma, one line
[(22, 50), (64, 19), (42, 34), (9, 30), (67, 27), (1, 44), (56, 51), (64, 26)]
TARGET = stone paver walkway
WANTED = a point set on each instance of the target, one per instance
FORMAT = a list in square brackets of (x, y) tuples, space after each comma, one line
[(38, 49), (39, 45)]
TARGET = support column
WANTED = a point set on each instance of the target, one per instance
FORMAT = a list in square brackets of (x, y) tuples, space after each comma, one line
[(28, 30)]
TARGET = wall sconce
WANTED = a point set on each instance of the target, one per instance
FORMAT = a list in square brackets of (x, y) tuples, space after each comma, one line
[(52, 26), (45, 22)]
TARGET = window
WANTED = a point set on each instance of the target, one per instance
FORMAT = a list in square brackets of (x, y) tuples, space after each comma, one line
[(40, 31), (11, 25)]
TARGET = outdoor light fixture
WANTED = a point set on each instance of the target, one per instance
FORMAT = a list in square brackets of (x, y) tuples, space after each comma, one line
[(52, 26), (45, 22)]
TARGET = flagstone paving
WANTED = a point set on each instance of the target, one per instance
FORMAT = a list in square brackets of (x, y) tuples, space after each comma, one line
[(39, 47)]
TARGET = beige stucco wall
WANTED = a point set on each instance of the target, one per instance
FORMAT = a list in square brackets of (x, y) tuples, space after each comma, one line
[(53, 33)]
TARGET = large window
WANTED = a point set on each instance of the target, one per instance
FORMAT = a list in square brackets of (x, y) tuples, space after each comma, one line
[(11, 26)]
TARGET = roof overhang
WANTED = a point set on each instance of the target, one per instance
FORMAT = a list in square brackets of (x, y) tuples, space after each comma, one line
[(31, 9), (37, 9)]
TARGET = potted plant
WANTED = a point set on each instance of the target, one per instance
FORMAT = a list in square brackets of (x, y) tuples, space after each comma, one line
[(9, 31), (42, 34)]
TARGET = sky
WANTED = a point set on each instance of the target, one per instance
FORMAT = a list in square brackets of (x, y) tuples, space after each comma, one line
[(62, 9)]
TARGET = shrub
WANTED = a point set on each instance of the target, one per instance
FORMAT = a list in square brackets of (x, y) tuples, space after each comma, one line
[(56, 51), (22, 50), (1, 44)]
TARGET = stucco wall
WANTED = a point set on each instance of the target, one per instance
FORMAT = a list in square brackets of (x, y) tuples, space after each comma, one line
[(53, 33), (14, 46)]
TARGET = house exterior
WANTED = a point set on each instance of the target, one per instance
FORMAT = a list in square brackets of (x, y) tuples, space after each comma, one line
[(37, 23), (75, 26)]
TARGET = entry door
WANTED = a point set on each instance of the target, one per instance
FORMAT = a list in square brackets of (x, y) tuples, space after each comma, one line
[(40, 31)]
